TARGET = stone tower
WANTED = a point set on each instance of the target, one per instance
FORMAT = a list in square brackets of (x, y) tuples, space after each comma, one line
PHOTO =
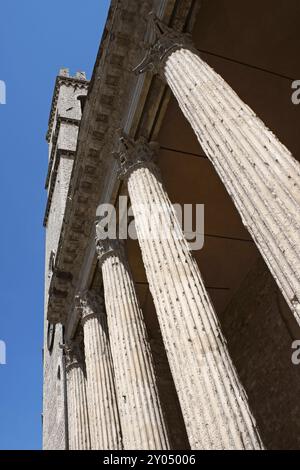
[(64, 121)]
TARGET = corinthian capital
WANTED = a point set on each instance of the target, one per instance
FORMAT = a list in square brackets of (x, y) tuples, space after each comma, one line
[(89, 305), (107, 247), (74, 352), (166, 41), (133, 154)]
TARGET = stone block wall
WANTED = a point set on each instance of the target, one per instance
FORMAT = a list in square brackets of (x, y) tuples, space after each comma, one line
[(260, 330), (66, 110)]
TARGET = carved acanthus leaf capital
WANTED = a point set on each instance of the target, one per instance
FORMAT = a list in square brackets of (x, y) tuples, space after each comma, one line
[(133, 154), (166, 41), (89, 305), (106, 247), (74, 352)]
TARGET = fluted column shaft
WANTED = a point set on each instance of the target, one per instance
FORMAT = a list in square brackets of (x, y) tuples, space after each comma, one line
[(102, 402), (213, 402), (78, 419), (258, 171), (139, 406)]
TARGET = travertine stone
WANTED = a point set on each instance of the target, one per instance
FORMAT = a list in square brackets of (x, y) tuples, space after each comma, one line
[(213, 402), (141, 416), (259, 172), (102, 403), (78, 419)]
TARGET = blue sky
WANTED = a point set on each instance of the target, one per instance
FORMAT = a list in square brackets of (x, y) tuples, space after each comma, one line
[(37, 38)]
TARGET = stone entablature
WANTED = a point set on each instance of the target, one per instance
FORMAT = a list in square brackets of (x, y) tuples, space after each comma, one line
[(120, 51)]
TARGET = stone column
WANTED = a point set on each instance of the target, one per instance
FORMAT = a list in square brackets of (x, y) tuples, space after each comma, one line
[(79, 431), (141, 416), (258, 171), (212, 400), (102, 402)]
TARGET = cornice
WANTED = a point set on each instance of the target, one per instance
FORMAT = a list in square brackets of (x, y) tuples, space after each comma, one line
[(116, 98)]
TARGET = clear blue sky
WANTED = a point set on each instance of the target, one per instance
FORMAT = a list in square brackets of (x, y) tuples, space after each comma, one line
[(37, 38)]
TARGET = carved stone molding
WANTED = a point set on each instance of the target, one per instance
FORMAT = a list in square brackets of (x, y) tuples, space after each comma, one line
[(74, 353), (91, 182), (90, 305), (132, 155), (167, 40), (107, 247)]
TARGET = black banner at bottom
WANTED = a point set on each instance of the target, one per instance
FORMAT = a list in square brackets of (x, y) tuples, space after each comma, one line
[(135, 459)]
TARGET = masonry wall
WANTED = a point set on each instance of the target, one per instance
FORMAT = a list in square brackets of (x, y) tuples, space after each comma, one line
[(260, 329), (54, 425), (62, 147)]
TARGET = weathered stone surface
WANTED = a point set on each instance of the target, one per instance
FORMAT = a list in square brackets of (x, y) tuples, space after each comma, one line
[(109, 93), (213, 402), (62, 136), (260, 331), (258, 171), (78, 419), (94, 179), (54, 406), (102, 402), (141, 415)]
